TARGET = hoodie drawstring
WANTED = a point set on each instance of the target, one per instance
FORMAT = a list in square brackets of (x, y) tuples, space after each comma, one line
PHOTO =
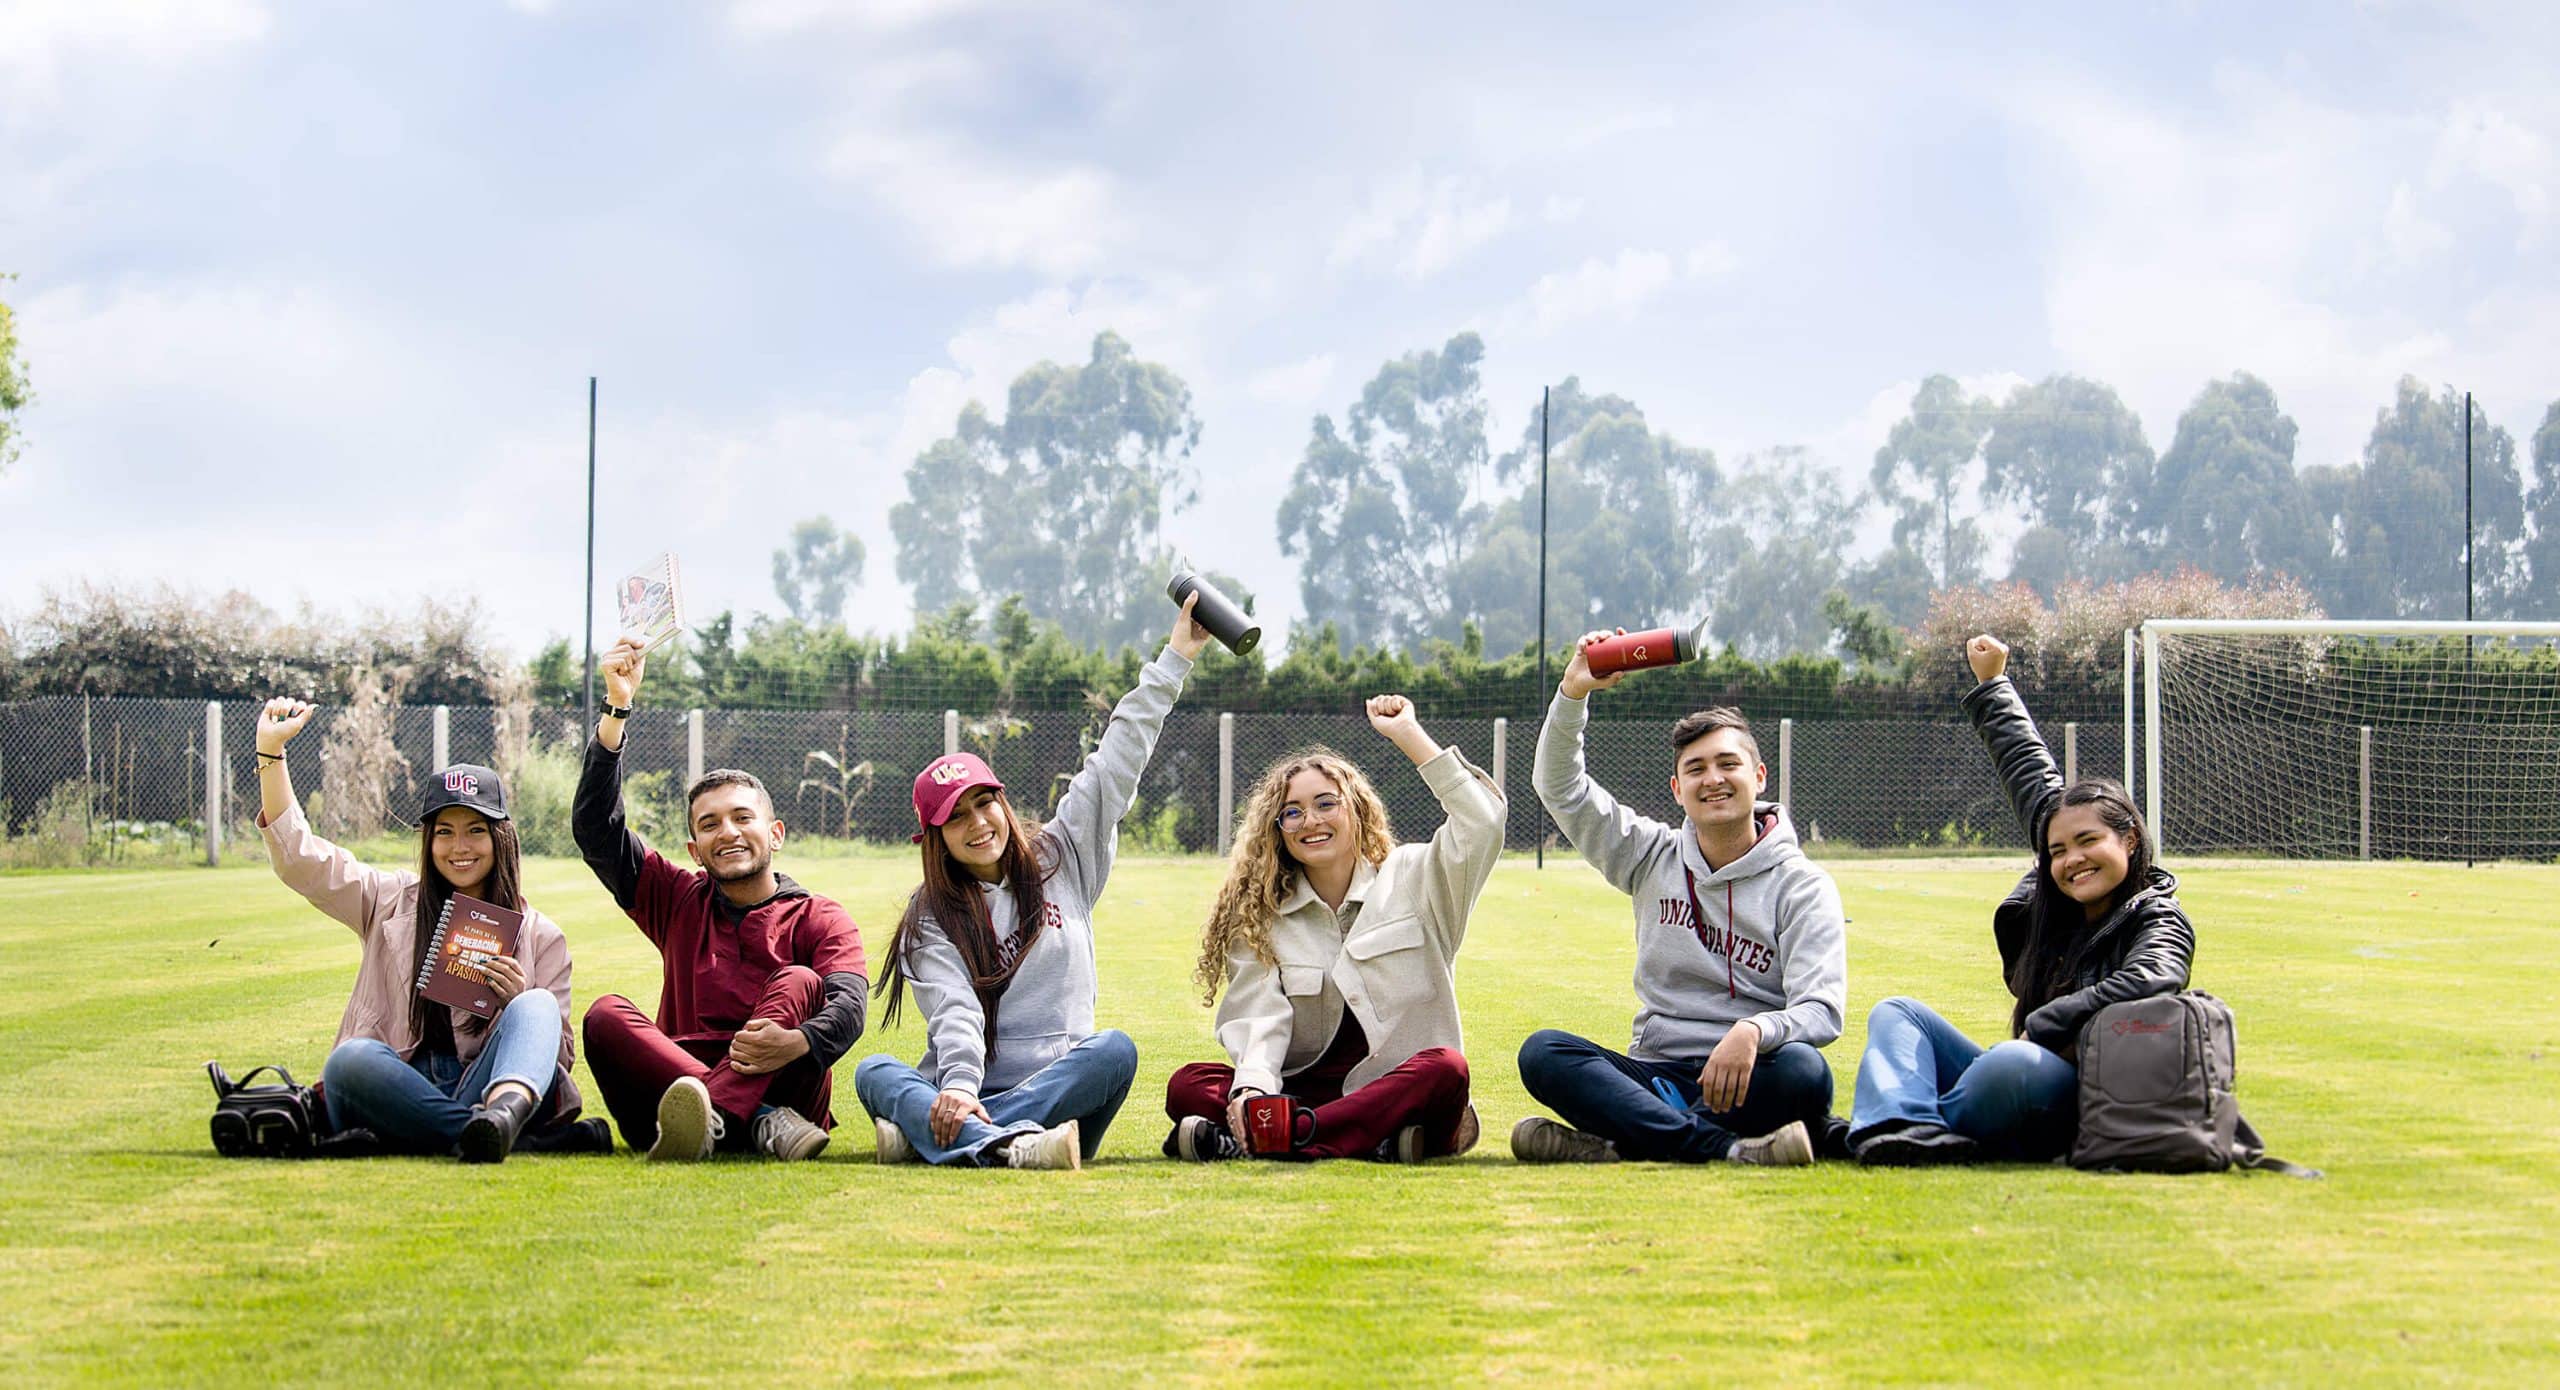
[(1728, 938)]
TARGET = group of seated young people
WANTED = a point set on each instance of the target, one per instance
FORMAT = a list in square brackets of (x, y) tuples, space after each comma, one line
[(1329, 955)]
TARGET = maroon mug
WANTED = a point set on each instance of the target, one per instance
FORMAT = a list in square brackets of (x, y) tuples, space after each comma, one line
[(1270, 1124)]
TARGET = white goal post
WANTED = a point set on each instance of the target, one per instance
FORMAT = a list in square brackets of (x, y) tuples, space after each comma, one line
[(2352, 740)]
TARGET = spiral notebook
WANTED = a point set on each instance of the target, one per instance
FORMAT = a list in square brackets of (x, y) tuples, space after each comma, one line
[(468, 932)]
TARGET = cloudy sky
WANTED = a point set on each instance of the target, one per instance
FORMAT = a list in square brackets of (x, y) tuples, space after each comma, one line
[(310, 293)]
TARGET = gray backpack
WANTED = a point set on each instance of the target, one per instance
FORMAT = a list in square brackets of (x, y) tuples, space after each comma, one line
[(2156, 1078)]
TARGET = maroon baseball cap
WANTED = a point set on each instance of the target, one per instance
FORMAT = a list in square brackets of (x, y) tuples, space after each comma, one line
[(941, 785)]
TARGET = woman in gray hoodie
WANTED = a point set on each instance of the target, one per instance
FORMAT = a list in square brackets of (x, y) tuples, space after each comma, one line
[(998, 947)]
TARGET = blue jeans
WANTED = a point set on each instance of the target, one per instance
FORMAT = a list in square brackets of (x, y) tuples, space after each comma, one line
[(2016, 1100), (1631, 1103), (424, 1104), (1087, 1086)]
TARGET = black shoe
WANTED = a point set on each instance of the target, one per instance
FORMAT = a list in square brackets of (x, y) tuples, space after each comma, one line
[(494, 1126), (1198, 1139), (1916, 1146), (588, 1136), (1831, 1142)]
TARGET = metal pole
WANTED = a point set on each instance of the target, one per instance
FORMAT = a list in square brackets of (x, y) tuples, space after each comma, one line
[(2151, 735), (1546, 404), (2070, 752), (1226, 780), (213, 783), (444, 737), (950, 732), (2364, 791), (2466, 517), (88, 779), (2130, 781), (1501, 754), (1787, 764), (692, 747), (591, 555)]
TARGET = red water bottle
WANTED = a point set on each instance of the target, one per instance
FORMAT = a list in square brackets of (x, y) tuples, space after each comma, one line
[(1635, 651)]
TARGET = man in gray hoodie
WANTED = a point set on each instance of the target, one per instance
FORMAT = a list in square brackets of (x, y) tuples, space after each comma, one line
[(1741, 960)]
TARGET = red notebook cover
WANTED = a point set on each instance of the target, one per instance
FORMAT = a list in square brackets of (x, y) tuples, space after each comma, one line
[(468, 932)]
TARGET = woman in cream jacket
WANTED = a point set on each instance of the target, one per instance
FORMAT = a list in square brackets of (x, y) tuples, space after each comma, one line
[(1336, 946)]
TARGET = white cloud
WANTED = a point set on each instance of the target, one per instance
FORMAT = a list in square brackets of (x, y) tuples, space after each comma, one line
[(1293, 383), (968, 211), (2484, 142), (1421, 229), (763, 18), (1622, 287), (1562, 210), (40, 39)]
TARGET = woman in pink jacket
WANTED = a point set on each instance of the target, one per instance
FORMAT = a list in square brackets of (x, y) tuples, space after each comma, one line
[(424, 1077)]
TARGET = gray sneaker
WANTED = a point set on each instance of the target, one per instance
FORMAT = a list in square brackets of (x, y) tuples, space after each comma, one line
[(1050, 1148), (1917, 1146), (1787, 1147), (688, 1126), (892, 1143), (1538, 1139), (782, 1134)]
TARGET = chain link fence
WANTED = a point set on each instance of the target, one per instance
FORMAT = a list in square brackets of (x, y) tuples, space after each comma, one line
[(96, 781)]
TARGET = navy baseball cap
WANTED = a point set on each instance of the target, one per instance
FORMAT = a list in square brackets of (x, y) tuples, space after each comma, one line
[(466, 784)]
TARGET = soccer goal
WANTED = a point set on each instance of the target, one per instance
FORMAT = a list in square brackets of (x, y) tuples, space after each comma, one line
[(2348, 740)]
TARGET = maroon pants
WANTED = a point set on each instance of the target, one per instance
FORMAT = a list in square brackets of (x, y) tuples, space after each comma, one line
[(634, 1064), (1427, 1089)]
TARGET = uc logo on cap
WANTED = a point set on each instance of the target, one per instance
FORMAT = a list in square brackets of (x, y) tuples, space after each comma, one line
[(944, 774), (466, 783)]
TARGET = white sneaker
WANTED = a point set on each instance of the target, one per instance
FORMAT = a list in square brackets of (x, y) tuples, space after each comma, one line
[(688, 1126), (1788, 1146), (781, 1133), (1050, 1148), (893, 1145)]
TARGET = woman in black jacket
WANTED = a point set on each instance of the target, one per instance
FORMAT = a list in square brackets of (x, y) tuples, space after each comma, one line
[(2094, 923)]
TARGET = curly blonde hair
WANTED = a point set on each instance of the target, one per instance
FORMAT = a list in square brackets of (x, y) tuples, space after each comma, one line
[(1260, 870)]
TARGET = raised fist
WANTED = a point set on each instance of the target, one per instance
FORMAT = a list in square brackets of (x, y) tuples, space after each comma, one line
[(1989, 656), (283, 717)]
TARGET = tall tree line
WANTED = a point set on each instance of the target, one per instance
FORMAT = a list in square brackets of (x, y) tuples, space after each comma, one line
[(1410, 524)]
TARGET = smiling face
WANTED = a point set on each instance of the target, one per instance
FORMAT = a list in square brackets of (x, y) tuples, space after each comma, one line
[(980, 828), (1318, 826), (1717, 778), (734, 832), (463, 847), (2088, 857)]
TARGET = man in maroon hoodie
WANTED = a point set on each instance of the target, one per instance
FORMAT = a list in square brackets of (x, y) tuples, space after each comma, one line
[(764, 984)]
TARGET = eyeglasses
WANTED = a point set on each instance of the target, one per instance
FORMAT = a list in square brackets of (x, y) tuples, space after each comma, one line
[(1325, 806)]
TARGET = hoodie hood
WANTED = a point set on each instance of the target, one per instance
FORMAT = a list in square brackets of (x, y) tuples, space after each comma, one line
[(1776, 848)]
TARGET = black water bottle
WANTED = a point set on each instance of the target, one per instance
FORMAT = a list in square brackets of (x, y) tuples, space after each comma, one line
[(1232, 626)]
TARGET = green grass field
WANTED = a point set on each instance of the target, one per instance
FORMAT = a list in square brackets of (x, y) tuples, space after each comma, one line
[(2400, 1027)]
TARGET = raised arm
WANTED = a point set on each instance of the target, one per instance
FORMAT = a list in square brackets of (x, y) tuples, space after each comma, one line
[(1087, 826), (1469, 841), (2018, 754), (328, 877), (1617, 841), (604, 840)]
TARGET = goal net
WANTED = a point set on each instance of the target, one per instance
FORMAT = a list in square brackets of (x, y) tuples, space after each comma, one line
[(2343, 740)]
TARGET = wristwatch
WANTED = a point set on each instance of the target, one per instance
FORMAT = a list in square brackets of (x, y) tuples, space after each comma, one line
[(614, 711)]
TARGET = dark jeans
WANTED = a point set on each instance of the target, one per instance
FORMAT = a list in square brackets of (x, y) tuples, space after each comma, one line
[(1619, 1098)]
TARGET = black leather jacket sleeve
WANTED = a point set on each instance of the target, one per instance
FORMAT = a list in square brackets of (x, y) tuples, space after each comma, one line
[(2024, 765)]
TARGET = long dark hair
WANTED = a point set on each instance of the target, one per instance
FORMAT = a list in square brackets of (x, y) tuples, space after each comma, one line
[(950, 896), (2060, 929), (503, 887)]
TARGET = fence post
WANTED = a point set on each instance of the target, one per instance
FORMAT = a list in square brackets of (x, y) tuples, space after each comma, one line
[(444, 737), (213, 784), (1787, 764), (2132, 783), (950, 732), (2364, 791), (692, 746), (1226, 780), (2071, 752), (1501, 754)]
